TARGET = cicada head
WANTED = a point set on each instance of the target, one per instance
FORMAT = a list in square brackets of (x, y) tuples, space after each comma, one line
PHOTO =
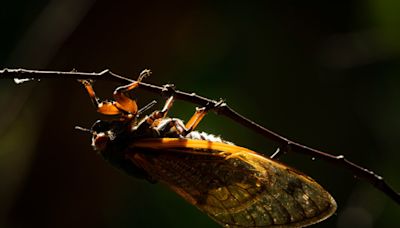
[(102, 134), (106, 132), (111, 140)]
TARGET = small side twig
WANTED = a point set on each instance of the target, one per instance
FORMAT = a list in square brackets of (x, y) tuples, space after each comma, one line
[(223, 109)]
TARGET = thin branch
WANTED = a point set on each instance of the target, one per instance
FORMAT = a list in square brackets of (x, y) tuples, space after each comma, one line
[(222, 109)]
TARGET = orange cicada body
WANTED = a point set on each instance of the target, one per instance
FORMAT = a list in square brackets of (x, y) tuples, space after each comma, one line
[(235, 186)]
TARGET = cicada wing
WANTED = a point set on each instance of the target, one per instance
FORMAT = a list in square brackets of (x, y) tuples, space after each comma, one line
[(237, 188)]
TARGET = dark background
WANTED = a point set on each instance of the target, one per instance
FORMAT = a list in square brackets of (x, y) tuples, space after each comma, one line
[(323, 73)]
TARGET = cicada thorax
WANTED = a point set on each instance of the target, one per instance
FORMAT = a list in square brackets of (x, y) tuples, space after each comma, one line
[(113, 140)]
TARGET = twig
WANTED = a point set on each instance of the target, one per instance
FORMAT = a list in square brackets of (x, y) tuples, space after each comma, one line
[(222, 109)]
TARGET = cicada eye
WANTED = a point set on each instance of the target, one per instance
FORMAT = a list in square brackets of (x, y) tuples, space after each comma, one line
[(101, 126)]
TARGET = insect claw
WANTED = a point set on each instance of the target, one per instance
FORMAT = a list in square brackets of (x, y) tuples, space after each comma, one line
[(168, 90), (145, 73), (215, 106), (86, 81)]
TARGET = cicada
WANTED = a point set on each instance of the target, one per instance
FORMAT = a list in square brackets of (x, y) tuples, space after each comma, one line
[(235, 186)]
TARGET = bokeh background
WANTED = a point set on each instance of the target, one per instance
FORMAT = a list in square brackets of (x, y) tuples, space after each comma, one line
[(323, 73)]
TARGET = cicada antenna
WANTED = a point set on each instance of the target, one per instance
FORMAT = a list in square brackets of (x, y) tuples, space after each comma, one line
[(147, 107), (83, 129)]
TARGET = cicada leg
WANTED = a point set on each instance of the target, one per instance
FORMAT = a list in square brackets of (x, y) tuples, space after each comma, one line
[(199, 115), (122, 103), (154, 119), (196, 118), (103, 107), (157, 115)]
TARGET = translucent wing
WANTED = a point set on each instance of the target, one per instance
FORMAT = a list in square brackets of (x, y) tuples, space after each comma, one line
[(233, 185)]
